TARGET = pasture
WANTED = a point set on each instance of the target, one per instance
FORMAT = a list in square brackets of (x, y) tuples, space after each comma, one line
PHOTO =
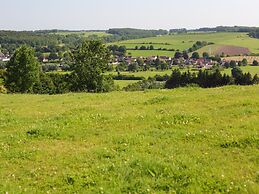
[(187, 140), (83, 34), (185, 41)]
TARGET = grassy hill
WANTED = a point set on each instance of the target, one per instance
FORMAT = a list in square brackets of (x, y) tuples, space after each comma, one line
[(84, 34), (185, 41), (187, 140)]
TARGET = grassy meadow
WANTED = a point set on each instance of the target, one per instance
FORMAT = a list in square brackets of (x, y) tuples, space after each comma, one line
[(84, 34), (187, 140), (185, 41)]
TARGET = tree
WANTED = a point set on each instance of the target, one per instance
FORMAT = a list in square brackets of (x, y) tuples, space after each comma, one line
[(22, 71), (255, 63), (143, 48), (151, 47), (177, 55), (195, 55), (133, 67), (244, 62), (53, 56), (237, 74), (89, 63), (185, 55), (232, 64), (205, 55)]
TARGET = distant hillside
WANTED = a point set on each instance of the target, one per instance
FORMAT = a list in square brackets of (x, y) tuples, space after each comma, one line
[(229, 43), (130, 33), (227, 29)]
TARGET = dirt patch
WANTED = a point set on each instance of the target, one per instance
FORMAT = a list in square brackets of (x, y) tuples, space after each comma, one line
[(232, 50)]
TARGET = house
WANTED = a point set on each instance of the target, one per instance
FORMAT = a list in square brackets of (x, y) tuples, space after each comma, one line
[(4, 58)]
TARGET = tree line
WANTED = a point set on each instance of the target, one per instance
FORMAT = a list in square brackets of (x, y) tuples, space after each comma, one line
[(206, 79)]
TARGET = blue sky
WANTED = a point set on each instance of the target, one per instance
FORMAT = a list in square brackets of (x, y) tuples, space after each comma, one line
[(147, 14)]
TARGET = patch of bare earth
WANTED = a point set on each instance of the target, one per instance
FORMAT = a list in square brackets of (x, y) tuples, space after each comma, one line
[(232, 50)]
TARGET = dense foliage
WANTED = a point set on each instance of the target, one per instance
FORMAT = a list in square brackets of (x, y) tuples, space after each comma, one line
[(207, 79), (90, 62), (22, 71), (254, 34)]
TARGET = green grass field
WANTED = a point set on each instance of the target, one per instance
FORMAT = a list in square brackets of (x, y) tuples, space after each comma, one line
[(84, 34), (187, 140), (124, 83), (185, 41)]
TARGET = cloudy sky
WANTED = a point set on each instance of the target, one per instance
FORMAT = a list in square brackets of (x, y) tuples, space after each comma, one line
[(146, 14)]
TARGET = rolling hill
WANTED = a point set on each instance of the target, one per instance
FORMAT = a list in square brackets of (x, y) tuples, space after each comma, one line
[(232, 43)]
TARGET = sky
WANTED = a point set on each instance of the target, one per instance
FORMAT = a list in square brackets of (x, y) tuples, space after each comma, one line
[(144, 14)]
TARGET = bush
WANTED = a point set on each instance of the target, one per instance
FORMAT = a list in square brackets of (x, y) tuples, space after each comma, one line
[(108, 84), (52, 84), (3, 90), (127, 77), (145, 84)]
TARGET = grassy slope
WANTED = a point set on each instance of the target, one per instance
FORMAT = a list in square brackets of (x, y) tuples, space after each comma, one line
[(84, 34), (185, 41), (183, 140)]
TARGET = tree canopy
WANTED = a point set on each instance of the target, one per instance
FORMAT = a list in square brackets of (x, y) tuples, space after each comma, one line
[(90, 62), (22, 71)]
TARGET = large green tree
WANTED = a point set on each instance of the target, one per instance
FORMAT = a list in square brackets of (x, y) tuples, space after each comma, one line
[(22, 71), (89, 63)]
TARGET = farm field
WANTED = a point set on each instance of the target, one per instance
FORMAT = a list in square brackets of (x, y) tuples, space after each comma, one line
[(187, 140), (185, 41), (249, 59)]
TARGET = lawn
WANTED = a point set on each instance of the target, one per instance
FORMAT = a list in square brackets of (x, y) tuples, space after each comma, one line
[(185, 41), (187, 140)]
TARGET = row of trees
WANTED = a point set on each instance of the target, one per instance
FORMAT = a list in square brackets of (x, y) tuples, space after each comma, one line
[(24, 75), (208, 79), (198, 45)]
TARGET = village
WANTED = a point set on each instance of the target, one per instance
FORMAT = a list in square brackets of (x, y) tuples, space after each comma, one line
[(153, 61)]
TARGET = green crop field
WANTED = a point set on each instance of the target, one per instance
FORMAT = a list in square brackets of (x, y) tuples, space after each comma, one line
[(185, 41), (187, 140)]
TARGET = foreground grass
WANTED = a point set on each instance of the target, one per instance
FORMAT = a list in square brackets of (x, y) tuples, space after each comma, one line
[(185, 140)]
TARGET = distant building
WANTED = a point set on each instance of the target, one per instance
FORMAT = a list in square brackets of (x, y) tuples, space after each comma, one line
[(4, 58)]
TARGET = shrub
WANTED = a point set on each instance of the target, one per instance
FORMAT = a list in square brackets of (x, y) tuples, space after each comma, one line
[(145, 84), (127, 77), (3, 90), (52, 84)]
